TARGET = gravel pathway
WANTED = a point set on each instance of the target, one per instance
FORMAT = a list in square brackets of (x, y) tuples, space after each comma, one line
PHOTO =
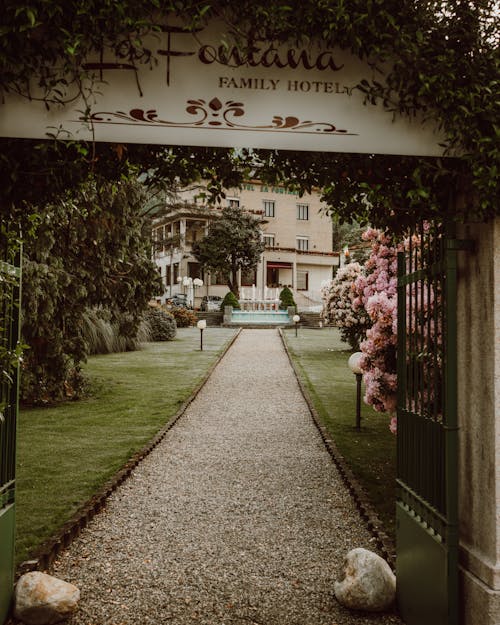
[(237, 518)]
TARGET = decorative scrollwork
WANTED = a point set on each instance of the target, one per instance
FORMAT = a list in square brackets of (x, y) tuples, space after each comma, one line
[(214, 114)]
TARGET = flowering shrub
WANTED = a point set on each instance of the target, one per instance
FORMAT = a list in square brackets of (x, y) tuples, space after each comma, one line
[(338, 305), (376, 293), (184, 318), (376, 290)]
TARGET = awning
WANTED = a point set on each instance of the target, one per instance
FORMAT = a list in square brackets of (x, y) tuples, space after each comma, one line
[(277, 265)]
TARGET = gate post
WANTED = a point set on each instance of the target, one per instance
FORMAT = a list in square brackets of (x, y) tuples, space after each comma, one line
[(479, 419)]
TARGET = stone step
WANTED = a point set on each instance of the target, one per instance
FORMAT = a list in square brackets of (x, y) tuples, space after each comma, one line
[(213, 318), (310, 319)]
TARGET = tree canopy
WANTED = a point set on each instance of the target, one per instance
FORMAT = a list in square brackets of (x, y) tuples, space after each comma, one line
[(438, 57), (232, 243)]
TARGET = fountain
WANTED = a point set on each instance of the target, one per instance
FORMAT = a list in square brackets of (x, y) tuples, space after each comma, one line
[(255, 311)]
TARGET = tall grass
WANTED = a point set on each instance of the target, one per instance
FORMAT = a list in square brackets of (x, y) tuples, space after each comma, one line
[(103, 337)]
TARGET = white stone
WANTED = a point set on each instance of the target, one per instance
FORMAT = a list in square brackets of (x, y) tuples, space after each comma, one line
[(40, 599), (368, 582)]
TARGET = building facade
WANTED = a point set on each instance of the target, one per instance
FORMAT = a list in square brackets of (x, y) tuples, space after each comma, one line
[(296, 232)]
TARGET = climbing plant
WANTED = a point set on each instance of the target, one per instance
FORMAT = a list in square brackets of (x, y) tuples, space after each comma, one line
[(437, 58)]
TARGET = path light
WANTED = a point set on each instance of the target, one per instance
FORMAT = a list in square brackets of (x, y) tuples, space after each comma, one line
[(197, 282), (296, 320), (201, 325), (353, 363)]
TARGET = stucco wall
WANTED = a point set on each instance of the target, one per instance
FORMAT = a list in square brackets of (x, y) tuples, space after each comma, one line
[(479, 419)]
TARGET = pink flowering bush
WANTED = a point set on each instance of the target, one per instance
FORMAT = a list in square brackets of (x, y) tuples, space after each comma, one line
[(375, 292), (338, 305)]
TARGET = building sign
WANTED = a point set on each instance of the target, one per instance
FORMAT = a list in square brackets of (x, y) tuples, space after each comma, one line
[(204, 93)]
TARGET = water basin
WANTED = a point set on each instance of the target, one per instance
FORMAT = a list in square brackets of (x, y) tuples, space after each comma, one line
[(260, 316)]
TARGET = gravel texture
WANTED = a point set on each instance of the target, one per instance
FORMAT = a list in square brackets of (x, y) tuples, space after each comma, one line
[(238, 517)]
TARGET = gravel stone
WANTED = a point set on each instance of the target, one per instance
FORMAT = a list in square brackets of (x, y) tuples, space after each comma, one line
[(238, 516)]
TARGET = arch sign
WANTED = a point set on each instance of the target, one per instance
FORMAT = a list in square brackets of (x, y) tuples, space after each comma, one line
[(202, 93)]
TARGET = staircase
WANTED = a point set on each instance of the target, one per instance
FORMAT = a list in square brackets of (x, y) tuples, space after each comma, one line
[(310, 319), (307, 303), (213, 318)]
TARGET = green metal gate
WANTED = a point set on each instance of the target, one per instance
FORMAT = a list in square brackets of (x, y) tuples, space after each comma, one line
[(427, 478), (10, 293)]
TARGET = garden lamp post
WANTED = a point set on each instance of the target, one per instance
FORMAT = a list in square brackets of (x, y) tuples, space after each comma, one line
[(296, 320), (201, 325), (197, 282), (353, 363)]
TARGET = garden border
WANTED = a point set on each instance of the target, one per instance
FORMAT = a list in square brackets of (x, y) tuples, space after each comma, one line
[(47, 552), (363, 504)]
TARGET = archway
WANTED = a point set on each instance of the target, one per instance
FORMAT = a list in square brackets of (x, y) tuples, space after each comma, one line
[(209, 114)]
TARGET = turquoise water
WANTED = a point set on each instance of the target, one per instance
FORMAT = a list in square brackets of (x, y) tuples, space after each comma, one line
[(260, 316)]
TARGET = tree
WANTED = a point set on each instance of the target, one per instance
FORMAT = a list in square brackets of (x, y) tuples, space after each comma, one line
[(92, 249), (233, 242), (286, 299), (230, 299)]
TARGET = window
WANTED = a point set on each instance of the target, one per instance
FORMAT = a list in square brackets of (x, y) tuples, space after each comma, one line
[(269, 240), (194, 270), (302, 280), (303, 212), (303, 243), (233, 202), (269, 208)]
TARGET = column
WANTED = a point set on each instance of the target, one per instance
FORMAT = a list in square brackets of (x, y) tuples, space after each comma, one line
[(479, 422)]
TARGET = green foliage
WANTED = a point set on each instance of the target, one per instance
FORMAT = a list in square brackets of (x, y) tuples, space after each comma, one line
[(92, 249), (233, 242), (439, 59), (348, 235), (162, 324), (184, 318), (10, 349), (286, 299), (230, 299), (101, 336)]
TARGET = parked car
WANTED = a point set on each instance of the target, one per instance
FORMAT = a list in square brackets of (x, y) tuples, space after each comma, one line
[(180, 299), (210, 302)]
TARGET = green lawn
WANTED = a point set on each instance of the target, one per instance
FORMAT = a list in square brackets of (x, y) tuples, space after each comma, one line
[(371, 451), (66, 453)]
